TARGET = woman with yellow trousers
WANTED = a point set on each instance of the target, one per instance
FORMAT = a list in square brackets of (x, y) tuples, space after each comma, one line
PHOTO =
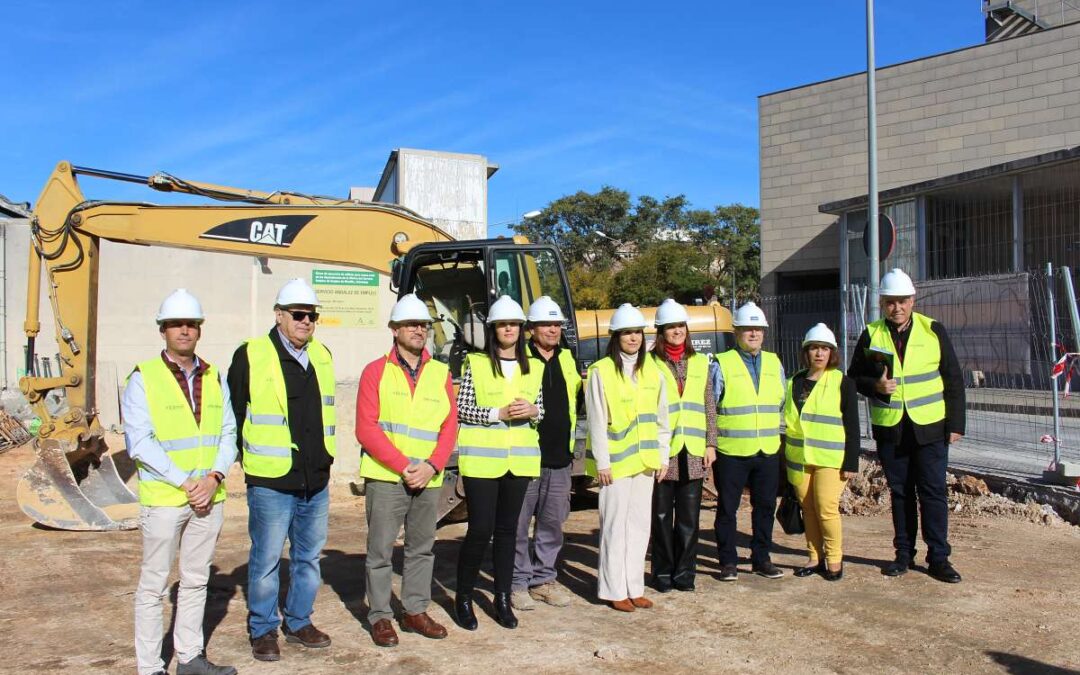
[(692, 416), (499, 405), (626, 451), (822, 452)]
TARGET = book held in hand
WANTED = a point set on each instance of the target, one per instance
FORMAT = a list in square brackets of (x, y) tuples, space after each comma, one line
[(882, 356)]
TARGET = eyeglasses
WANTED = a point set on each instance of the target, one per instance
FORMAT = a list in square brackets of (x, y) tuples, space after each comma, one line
[(415, 326), (181, 323), (299, 315)]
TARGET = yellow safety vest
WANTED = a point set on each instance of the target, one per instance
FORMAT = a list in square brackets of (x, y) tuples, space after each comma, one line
[(191, 447), (632, 431), (268, 444), (411, 420), (919, 388), (490, 450), (749, 420), (573, 385), (815, 436), (686, 411)]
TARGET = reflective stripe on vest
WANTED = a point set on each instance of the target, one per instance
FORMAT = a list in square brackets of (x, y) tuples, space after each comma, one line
[(686, 411), (191, 447), (632, 432), (268, 444), (815, 436), (490, 450), (749, 419), (410, 419), (573, 380), (919, 387)]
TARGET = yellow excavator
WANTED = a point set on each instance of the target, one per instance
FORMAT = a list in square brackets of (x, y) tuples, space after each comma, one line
[(74, 484)]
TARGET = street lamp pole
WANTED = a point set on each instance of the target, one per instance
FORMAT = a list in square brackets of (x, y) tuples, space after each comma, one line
[(871, 151)]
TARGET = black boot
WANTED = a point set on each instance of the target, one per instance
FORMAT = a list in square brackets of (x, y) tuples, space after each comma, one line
[(463, 611), (504, 614)]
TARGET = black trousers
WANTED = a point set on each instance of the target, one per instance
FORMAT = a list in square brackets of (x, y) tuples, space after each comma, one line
[(732, 474), (916, 477), (676, 509), (494, 507)]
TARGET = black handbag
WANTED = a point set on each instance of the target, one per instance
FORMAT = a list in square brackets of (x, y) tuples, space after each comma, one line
[(789, 513)]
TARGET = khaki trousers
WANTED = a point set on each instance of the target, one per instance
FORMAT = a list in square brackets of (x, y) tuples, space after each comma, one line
[(164, 529), (819, 495), (390, 506), (625, 524)]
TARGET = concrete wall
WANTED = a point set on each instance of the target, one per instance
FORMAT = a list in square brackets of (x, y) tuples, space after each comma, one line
[(450, 188), (237, 298), (937, 116)]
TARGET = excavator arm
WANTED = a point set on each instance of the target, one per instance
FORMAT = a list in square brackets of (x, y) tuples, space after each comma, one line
[(73, 484)]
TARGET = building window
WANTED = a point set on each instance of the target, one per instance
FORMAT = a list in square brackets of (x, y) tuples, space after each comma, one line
[(969, 230), (1052, 216)]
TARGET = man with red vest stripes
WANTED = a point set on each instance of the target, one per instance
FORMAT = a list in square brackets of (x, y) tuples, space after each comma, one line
[(406, 422)]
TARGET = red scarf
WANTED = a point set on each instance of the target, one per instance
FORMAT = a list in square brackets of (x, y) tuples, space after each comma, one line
[(675, 354)]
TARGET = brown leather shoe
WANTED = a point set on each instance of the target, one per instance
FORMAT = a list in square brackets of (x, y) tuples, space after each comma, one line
[(622, 605), (383, 634), (423, 624), (265, 647), (642, 602), (309, 636)]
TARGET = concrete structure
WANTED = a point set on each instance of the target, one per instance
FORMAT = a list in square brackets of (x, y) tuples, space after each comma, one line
[(237, 293), (946, 114), (450, 188), (14, 218)]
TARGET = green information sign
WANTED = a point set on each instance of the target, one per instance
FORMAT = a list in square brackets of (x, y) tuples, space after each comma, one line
[(349, 298), (344, 278)]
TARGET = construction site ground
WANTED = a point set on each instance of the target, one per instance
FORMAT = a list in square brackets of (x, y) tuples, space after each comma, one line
[(66, 604)]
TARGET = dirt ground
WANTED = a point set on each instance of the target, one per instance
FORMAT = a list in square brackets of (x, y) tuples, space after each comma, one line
[(66, 605)]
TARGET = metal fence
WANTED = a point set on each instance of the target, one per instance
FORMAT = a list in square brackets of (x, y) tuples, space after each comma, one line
[(999, 326)]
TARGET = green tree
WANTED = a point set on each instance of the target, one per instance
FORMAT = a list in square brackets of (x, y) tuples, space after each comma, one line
[(590, 286), (619, 251), (666, 269), (731, 236), (572, 222)]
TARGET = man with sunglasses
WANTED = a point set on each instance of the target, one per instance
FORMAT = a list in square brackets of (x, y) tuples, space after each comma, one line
[(282, 387), (180, 431), (406, 422)]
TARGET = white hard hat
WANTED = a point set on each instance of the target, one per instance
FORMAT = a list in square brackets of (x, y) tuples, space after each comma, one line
[(296, 292), (545, 309), (410, 308), (505, 309), (749, 316), (627, 317), (821, 335), (670, 311), (896, 284), (180, 305)]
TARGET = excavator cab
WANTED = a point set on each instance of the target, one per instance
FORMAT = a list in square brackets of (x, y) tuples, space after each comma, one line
[(459, 280)]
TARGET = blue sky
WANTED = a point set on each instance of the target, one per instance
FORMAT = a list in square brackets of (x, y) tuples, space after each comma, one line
[(655, 98)]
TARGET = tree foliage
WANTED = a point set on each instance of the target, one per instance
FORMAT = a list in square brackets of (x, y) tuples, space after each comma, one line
[(619, 251)]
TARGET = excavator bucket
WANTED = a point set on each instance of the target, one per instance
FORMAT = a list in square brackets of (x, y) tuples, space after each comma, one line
[(77, 489)]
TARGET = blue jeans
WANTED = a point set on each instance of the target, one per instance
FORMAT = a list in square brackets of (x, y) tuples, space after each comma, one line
[(274, 515)]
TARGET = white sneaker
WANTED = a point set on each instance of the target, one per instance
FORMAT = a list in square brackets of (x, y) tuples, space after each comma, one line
[(522, 600), (551, 593)]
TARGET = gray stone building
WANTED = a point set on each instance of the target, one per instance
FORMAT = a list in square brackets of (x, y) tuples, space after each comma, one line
[(965, 140)]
